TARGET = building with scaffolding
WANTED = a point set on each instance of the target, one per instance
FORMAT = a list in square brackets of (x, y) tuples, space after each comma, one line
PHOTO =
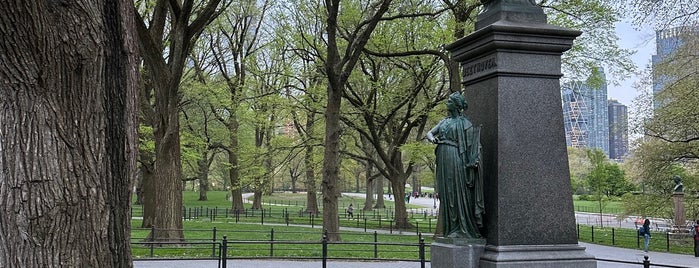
[(585, 115)]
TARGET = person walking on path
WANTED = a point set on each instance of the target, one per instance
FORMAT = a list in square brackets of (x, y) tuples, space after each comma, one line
[(350, 212), (646, 234), (695, 232)]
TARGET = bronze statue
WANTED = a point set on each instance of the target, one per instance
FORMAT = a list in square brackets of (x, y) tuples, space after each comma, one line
[(459, 181), (679, 188)]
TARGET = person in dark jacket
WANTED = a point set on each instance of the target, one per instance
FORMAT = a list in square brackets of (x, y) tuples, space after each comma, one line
[(646, 235)]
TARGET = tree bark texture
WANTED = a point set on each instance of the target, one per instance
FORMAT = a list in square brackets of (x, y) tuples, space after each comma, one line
[(68, 75)]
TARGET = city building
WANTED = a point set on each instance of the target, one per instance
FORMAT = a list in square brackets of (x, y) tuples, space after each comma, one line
[(618, 130), (585, 115), (667, 42)]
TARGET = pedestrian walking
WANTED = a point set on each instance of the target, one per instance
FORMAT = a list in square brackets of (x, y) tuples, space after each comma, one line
[(350, 212), (645, 232)]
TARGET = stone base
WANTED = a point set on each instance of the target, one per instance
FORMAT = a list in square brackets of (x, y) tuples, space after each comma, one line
[(455, 252), (540, 256)]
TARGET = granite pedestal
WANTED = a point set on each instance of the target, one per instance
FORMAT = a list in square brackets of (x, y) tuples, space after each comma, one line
[(456, 253), (511, 66)]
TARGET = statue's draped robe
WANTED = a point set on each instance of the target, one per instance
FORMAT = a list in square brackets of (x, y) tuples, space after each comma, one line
[(459, 183)]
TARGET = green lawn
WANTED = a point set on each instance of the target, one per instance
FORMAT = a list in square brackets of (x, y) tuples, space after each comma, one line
[(253, 241), (252, 233)]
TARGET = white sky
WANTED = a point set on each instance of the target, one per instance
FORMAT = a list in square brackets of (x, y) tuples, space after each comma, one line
[(643, 42)]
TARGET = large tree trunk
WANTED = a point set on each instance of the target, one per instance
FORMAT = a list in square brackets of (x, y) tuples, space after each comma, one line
[(257, 199), (203, 176), (378, 186), (369, 200), (145, 173), (401, 214), (234, 171), (311, 191), (168, 169), (67, 133), (294, 175), (331, 160)]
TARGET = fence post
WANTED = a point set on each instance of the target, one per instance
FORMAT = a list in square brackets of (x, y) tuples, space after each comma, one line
[(578, 231), (312, 220), (324, 241), (213, 245), (422, 251), (613, 244), (271, 243), (224, 251), (262, 218), (376, 245), (286, 217), (638, 241), (646, 262), (417, 227), (592, 227), (667, 240), (365, 224), (390, 225), (152, 239)]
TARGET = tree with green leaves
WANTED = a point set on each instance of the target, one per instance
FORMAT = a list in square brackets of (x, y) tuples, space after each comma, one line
[(233, 41), (597, 178), (670, 142), (202, 134), (167, 32), (340, 61)]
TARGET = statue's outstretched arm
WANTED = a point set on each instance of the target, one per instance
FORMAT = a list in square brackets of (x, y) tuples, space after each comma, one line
[(431, 134)]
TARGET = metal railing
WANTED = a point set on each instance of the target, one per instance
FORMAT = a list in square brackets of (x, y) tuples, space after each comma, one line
[(625, 237), (224, 249)]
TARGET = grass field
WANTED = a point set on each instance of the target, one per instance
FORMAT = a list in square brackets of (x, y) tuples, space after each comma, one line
[(252, 233)]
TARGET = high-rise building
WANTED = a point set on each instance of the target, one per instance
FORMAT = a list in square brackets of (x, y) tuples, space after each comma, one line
[(667, 42), (618, 130), (585, 115)]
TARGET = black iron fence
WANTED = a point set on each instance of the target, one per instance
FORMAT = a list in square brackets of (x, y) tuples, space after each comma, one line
[(223, 249), (628, 238), (420, 220)]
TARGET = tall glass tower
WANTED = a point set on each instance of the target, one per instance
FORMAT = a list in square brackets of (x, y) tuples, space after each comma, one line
[(618, 130), (585, 115)]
